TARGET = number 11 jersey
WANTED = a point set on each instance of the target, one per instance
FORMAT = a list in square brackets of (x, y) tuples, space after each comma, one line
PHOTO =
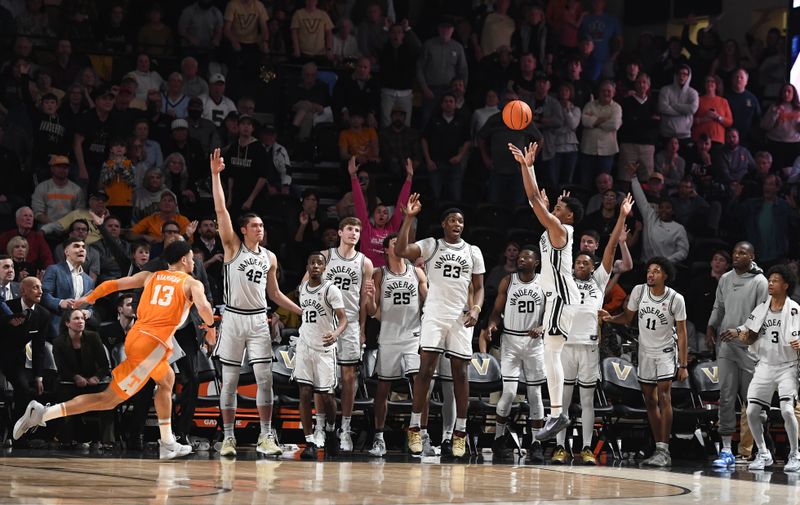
[(657, 317), (246, 279), (449, 268)]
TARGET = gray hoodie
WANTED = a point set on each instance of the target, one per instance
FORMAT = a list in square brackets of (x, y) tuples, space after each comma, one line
[(737, 296), (677, 105)]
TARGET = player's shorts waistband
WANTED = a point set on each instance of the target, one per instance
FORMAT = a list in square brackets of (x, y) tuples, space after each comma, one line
[(245, 312), (516, 333)]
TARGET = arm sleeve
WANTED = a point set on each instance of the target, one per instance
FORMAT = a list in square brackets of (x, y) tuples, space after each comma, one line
[(641, 201), (359, 204), (718, 311)]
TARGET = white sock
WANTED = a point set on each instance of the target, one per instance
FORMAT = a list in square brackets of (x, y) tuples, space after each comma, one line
[(266, 427), (726, 443), (228, 429), (554, 370), (54, 412), (499, 430), (534, 431), (416, 419), (662, 446), (345, 423), (423, 432), (379, 436), (310, 439), (461, 424), (320, 422), (587, 415), (165, 427)]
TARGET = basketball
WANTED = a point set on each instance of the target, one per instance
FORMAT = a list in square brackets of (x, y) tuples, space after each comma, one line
[(517, 115)]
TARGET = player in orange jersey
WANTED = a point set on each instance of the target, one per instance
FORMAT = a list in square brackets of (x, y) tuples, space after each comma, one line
[(163, 308)]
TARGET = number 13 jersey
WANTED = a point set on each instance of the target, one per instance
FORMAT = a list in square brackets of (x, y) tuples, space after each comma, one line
[(246, 279), (348, 275), (449, 268)]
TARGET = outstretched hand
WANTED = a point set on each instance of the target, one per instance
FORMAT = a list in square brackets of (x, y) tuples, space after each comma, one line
[(352, 167), (414, 206), (217, 162), (626, 206), (524, 157)]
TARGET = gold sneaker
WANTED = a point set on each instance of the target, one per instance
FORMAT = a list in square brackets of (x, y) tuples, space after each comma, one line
[(267, 445), (587, 457), (228, 447), (414, 438), (560, 456), (459, 445)]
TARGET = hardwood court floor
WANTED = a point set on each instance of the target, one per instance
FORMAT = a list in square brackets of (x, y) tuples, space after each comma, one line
[(65, 480)]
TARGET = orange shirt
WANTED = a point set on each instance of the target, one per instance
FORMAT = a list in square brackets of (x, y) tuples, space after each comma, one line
[(151, 225), (714, 129), (360, 143), (164, 305)]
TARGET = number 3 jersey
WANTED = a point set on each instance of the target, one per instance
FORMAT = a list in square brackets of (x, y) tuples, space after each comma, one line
[(449, 268), (657, 317), (246, 280), (319, 317), (524, 308), (776, 329), (348, 275), (400, 310)]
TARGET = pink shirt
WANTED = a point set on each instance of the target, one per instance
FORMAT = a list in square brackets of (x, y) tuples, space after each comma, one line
[(372, 237)]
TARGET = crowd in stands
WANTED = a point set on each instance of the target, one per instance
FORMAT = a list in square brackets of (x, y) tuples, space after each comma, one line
[(109, 111)]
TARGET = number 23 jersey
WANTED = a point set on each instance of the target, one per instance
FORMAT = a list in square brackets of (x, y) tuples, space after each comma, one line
[(246, 279), (450, 268)]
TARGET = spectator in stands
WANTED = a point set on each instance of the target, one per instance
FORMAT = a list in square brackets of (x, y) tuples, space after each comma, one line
[(140, 255), (117, 180), (9, 288), (200, 27), (496, 70), (153, 156), (180, 142), (309, 231), (565, 18), (733, 161), (312, 32), (249, 177), (603, 183), (444, 144), (606, 34), (522, 82), (728, 61), (66, 67), (310, 101), (38, 251), (216, 106), (626, 86), (345, 45), (79, 229), (440, 60), (688, 207), (564, 138), (713, 114), (97, 209), (598, 225), (116, 34), (744, 105), (677, 103), (83, 366), (381, 226), (66, 281), (151, 227), (56, 197), (398, 63), (601, 118), (49, 132), (200, 128), (173, 101), (359, 140), (156, 38), (246, 106), (530, 37), (278, 156), (781, 123), (176, 179), (670, 164), (701, 293), (508, 265), (583, 90), (345, 207), (398, 143), (371, 34), (114, 251), (698, 160), (146, 78), (210, 244), (357, 91), (193, 84), (639, 132), (147, 196), (662, 235), (498, 28), (96, 126), (18, 250), (702, 54)]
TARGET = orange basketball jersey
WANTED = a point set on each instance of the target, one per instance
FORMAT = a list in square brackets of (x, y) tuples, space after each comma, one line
[(163, 306)]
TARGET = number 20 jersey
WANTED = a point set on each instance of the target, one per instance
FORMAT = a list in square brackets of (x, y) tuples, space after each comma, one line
[(246, 279), (524, 306), (348, 275), (450, 268)]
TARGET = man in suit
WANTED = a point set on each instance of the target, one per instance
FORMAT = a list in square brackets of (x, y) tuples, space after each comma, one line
[(66, 281), (8, 288), (29, 322)]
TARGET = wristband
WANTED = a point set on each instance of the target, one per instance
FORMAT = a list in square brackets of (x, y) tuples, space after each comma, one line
[(682, 366), (476, 307)]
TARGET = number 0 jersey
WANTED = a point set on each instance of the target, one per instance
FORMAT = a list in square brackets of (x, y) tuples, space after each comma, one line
[(556, 278), (449, 268), (657, 317), (584, 313), (246, 280), (347, 275), (400, 310), (318, 305), (524, 308)]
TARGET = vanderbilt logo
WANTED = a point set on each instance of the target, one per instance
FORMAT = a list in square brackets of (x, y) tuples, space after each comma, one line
[(288, 359), (712, 373), (622, 371), (483, 367), (245, 20), (311, 25)]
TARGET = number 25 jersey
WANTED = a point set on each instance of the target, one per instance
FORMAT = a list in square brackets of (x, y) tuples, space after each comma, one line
[(246, 279), (449, 268)]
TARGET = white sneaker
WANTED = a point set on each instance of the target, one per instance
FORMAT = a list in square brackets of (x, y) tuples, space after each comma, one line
[(553, 426), (228, 447), (427, 448), (793, 464), (267, 445), (32, 418), (763, 460), (319, 438), (345, 441), (173, 450), (378, 448)]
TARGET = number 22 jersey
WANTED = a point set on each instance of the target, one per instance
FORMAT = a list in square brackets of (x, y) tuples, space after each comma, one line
[(348, 275), (450, 268)]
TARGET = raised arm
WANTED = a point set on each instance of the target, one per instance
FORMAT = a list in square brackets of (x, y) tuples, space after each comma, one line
[(359, 204), (230, 241), (625, 209), (402, 198), (402, 248), (112, 286)]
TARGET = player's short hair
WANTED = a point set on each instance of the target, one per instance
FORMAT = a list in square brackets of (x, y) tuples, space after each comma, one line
[(71, 240), (349, 221), (78, 221), (594, 259), (785, 273), (591, 233), (666, 266), (451, 210), (531, 248), (575, 206), (244, 219), (315, 253), (175, 251), (388, 239), (5, 257)]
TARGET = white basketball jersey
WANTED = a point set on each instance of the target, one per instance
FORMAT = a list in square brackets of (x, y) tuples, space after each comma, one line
[(318, 305), (246, 280), (556, 277), (524, 308), (584, 313), (400, 308), (657, 317), (449, 268), (347, 275), (771, 345)]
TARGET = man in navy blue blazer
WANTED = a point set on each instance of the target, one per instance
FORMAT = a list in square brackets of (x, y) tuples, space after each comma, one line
[(66, 281)]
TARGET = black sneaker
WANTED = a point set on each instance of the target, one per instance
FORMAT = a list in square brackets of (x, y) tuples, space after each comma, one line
[(535, 453), (447, 448), (310, 452), (499, 449), (331, 444)]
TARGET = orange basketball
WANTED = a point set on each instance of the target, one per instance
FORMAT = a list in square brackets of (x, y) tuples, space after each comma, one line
[(517, 115)]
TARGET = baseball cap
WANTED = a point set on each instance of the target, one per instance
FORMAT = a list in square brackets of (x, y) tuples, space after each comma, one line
[(178, 124), (99, 194), (216, 78), (168, 192), (58, 159)]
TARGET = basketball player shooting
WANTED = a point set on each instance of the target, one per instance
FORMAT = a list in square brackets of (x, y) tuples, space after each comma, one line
[(556, 279)]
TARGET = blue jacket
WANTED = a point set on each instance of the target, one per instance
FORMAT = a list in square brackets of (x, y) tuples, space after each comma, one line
[(57, 286)]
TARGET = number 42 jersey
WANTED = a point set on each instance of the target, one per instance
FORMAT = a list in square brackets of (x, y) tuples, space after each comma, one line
[(246, 279), (449, 268)]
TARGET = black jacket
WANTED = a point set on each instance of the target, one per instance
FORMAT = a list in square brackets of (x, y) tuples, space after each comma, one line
[(93, 362), (35, 329)]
